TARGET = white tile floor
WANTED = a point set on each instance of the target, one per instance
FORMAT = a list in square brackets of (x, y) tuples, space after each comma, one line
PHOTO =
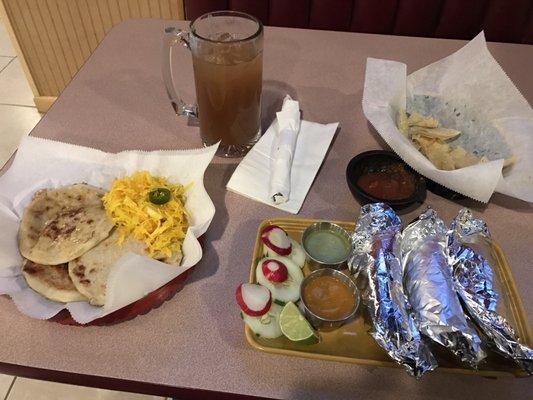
[(29, 389), (14, 86), (4, 61), (18, 116)]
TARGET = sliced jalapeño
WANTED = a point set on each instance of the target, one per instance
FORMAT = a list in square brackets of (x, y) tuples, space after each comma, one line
[(159, 196)]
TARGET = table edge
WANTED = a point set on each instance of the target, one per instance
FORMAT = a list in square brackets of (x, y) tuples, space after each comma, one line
[(118, 384)]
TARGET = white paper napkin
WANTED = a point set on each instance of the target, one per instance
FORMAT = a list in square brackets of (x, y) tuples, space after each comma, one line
[(282, 152), (475, 94), (252, 175), (41, 163)]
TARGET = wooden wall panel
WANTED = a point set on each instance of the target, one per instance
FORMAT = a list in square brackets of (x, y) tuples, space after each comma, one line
[(78, 28), (123, 9), (43, 47), (165, 9), (65, 70), (57, 36), (27, 45), (103, 7), (145, 9)]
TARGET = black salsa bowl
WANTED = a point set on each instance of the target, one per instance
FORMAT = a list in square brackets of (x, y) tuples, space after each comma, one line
[(375, 160)]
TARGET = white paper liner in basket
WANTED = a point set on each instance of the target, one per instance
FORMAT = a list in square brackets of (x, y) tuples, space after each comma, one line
[(43, 163), (468, 91)]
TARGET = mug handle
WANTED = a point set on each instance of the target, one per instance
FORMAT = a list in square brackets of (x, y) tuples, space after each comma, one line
[(174, 36)]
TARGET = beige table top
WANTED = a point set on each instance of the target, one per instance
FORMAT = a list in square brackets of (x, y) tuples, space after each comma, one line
[(117, 102)]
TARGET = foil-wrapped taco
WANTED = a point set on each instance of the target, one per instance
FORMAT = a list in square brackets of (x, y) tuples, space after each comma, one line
[(429, 287), (393, 328), (474, 282)]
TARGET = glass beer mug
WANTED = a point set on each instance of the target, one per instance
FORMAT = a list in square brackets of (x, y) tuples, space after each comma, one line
[(227, 56)]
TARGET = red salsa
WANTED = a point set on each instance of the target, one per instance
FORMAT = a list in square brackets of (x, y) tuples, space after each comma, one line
[(391, 182)]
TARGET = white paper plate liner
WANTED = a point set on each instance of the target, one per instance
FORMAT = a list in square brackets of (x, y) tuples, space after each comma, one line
[(43, 163), (470, 76)]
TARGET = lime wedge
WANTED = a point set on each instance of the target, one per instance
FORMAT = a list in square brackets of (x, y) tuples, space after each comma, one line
[(294, 326)]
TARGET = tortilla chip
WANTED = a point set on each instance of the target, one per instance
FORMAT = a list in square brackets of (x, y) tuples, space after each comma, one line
[(463, 158), (420, 120), (422, 142), (439, 155), (403, 126), (435, 133), (509, 161), (430, 140)]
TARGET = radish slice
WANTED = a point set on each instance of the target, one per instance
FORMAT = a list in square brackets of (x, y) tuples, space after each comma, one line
[(254, 300), (274, 270), (288, 290), (276, 239)]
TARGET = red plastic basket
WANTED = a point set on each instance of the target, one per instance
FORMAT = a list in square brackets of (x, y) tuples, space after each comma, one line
[(142, 306)]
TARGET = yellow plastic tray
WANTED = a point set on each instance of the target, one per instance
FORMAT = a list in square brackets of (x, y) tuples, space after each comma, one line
[(351, 343)]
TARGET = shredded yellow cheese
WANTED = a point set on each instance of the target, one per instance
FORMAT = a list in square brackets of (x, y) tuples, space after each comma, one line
[(162, 227)]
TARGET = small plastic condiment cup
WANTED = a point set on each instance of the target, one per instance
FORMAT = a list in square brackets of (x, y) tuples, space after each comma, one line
[(325, 324), (315, 263)]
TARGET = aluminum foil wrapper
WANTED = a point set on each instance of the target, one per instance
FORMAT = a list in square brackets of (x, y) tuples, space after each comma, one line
[(393, 327), (474, 283), (430, 289)]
